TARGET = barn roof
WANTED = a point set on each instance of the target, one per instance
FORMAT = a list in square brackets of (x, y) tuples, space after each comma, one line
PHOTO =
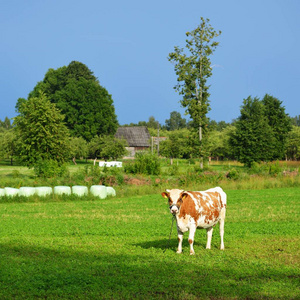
[(136, 136)]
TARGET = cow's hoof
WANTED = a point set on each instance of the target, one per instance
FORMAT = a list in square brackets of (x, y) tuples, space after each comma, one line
[(192, 253), (178, 252)]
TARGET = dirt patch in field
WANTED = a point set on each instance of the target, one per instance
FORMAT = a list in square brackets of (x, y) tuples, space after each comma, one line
[(290, 173), (137, 181)]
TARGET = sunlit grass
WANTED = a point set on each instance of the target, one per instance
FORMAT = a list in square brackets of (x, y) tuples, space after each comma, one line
[(68, 248)]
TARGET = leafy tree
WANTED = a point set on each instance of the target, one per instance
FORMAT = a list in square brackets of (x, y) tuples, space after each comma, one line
[(253, 140), (175, 122), (219, 126), (113, 148), (152, 123), (279, 122), (8, 144), (227, 151), (87, 106), (41, 130), (6, 124), (94, 146), (293, 143), (107, 147), (78, 148), (218, 143), (295, 121), (176, 145), (214, 144), (193, 70)]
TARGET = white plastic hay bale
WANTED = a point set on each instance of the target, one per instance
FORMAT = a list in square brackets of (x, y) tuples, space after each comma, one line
[(60, 190), (2, 192), (110, 191), (109, 164), (79, 190), (117, 164), (43, 191), (99, 191), (27, 191), (11, 191)]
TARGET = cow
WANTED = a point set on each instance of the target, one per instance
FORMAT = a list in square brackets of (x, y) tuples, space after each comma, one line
[(198, 209)]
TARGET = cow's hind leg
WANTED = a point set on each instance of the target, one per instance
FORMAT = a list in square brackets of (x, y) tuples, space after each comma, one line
[(222, 223), (180, 238), (209, 232)]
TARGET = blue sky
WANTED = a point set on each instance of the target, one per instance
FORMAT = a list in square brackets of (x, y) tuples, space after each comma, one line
[(126, 44)]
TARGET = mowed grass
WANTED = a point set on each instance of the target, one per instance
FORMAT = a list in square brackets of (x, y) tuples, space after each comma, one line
[(114, 249)]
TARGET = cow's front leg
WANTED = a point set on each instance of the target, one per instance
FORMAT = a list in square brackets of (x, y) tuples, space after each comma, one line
[(191, 239), (180, 239)]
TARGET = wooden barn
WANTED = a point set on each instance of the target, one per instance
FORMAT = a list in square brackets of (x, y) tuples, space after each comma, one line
[(137, 137)]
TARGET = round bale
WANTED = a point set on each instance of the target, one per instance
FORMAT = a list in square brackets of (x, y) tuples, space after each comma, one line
[(27, 191), (111, 191), (60, 190), (43, 191), (79, 190), (11, 191), (99, 191)]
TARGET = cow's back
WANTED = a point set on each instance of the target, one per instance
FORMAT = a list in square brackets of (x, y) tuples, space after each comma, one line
[(203, 208), (221, 192)]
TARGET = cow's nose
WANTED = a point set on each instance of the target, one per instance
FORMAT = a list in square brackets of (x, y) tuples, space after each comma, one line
[(173, 211)]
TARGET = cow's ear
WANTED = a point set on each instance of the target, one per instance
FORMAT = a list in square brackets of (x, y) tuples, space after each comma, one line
[(165, 195), (183, 196)]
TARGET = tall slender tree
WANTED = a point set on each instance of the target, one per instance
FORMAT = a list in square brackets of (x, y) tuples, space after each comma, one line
[(193, 68)]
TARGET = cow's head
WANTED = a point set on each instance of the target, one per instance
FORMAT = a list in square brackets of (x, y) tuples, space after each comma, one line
[(175, 198)]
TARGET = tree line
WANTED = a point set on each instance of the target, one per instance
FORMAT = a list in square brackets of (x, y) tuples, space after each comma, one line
[(262, 132), (255, 136)]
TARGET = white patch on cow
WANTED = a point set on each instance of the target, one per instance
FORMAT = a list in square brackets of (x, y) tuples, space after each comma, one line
[(196, 200), (174, 196)]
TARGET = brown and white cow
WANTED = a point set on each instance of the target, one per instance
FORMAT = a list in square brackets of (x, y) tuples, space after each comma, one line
[(197, 210)]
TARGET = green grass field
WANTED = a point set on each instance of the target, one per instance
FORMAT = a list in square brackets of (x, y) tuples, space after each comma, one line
[(114, 249)]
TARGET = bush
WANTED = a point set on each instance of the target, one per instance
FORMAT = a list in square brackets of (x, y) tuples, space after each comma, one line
[(49, 168), (144, 163), (108, 176), (275, 169), (272, 169), (173, 170), (233, 174)]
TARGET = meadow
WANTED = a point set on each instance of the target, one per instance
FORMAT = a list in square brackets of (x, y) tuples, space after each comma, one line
[(66, 247)]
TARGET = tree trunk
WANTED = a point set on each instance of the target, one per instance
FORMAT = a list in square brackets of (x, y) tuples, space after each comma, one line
[(199, 97)]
